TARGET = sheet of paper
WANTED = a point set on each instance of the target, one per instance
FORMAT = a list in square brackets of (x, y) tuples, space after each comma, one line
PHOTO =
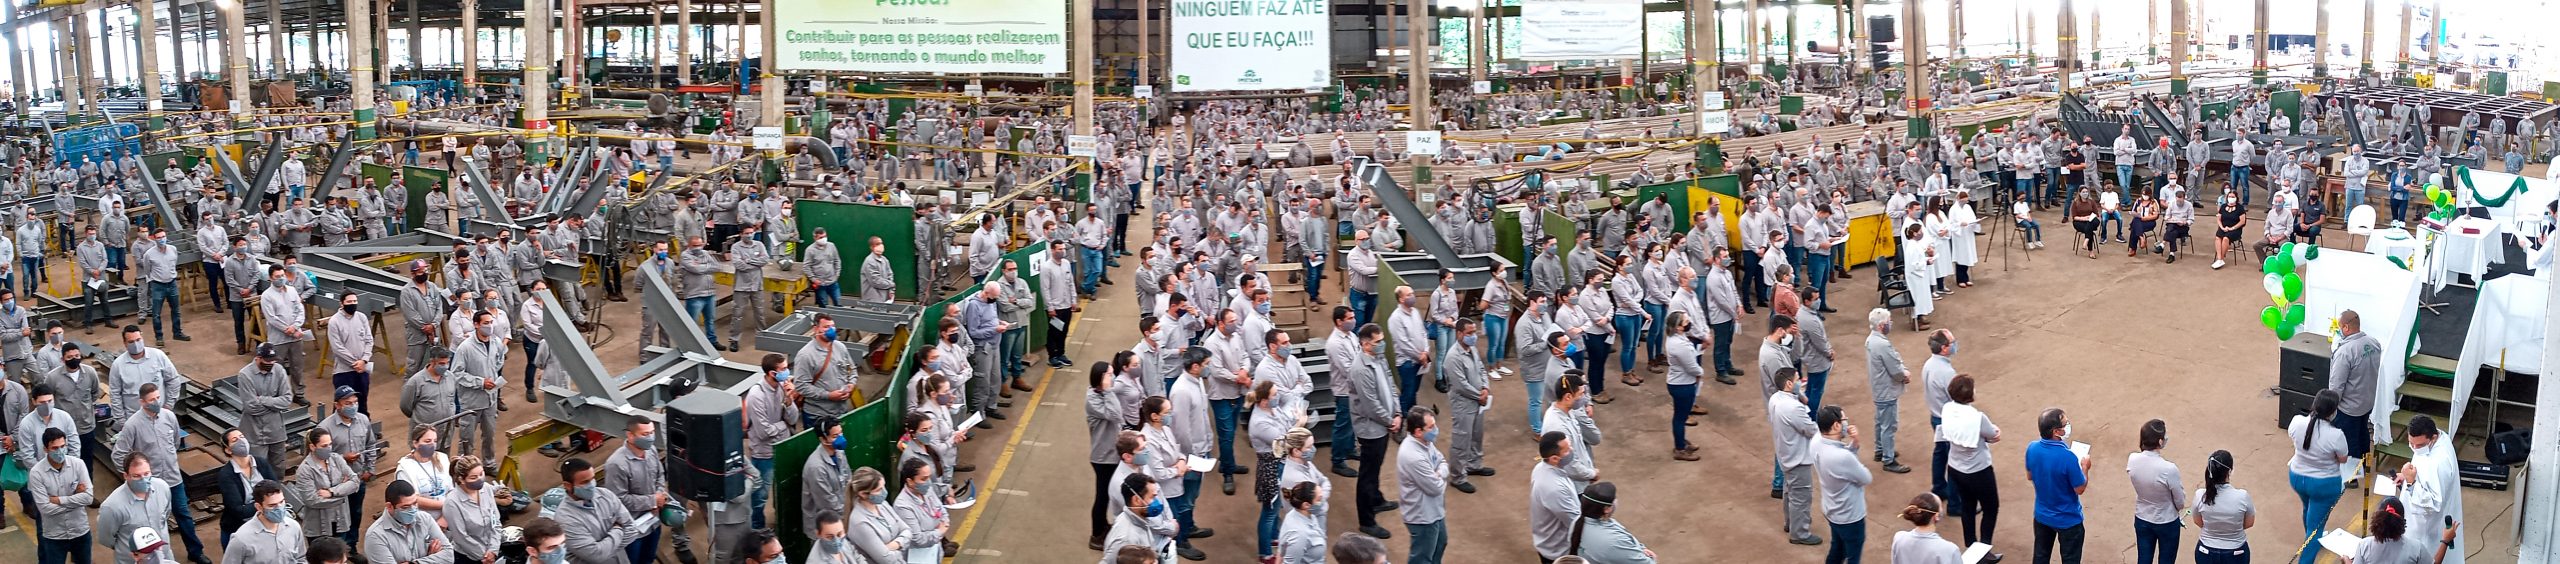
[(1973, 554), (972, 423), (1201, 464), (2342, 542), (2384, 486), (2081, 449)]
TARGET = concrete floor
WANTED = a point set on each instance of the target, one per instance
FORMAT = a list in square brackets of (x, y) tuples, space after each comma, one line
[(2042, 329)]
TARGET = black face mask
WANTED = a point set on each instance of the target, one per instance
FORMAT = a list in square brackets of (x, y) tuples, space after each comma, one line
[(349, 308)]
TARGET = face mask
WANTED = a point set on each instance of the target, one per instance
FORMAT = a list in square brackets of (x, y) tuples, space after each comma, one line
[(662, 255), (1790, 340), (485, 329), (350, 309), (133, 348), (837, 444), (2066, 430), (1431, 436), (145, 483), (836, 545), (586, 492), (560, 556), (273, 514), (1155, 508), (1469, 340), (405, 516), (428, 449), (1951, 349), (1143, 458), (240, 448), (829, 334), (645, 443), (878, 497), (475, 485), (1264, 308), (59, 455), (152, 408)]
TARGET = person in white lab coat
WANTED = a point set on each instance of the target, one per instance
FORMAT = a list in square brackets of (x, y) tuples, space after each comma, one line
[(1917, 258), (1942, 237), (2432, 488), (1963, 225)]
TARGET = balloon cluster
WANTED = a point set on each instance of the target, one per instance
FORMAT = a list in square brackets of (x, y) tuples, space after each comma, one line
[(2442, 199), (2283, 283)]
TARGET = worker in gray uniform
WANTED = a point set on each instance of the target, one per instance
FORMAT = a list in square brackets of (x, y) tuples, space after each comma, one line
[(637, 476), (266, 397), (281, 308), (747, 257), (879, 283), (428, 396), (479, 363), (825, 476), (823, 372), (404, 533)]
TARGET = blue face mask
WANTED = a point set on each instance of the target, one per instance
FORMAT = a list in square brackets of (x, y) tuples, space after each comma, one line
[(274, 514), (830, 333), (838, 443), (1155, 508), (1142, 459), (1431, 436), (408, 516), (586, 492), (560, 556)]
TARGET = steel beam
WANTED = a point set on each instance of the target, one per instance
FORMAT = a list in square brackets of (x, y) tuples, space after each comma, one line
[(337, 168)]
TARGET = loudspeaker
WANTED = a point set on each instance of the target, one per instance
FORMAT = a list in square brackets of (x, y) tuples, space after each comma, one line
[(706, 447), (1881, 29), (2290, 403), (2303, 364)]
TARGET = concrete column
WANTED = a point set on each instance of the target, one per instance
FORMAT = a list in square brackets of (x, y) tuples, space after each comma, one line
[(2096, 50), (537, 78), (381, 34), (2178, 22), (1858, 38), (235, 46), (1476, 63), (471, 45), (2258, 46), (1703, 75), (770, 103), (574, 55), (684, 41), (2066, 45), (319, 38), (2320, 39), (417, 38), (1955, 30), (360, 65), (2151, 30), (1146, 55), (1792, 44), (147, 58), (1848, 56), (2406, 13), (2029, 16), (88, 63), (276, 40), (1418, 84), (1915, 75), (2365, 50), (657, 63), (1751, 37), (1080, 58), (17, 55), (177, 40)]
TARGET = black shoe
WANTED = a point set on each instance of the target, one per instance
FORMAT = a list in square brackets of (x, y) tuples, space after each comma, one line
[(1487, 472), (1775, 493), (1993, 558), (1897, 468), (1345, 470), (996, 415), (198, 559), (1189, 553), (1198, 533), (1387, 506), (1824, 309), (983, 424), (1816, 541), (1463, 487), (1227, 486), (1238, 469), (184, 337), (1371, 530), (1094, 542)]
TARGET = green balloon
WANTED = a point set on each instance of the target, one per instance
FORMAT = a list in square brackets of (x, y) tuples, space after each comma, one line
[(2292, 287), (2313, 253), (2274, 264), (2289, 249), (2284, 332), (2270, 317), (2293, 315)]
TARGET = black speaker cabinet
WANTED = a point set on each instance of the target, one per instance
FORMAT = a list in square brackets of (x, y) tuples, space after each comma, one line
[(706, 447), (1883, 29), (2303, 366), (2290, 403)]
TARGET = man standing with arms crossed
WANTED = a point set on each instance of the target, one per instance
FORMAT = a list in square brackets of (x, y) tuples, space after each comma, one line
[(2352, 370), (1886, 376)]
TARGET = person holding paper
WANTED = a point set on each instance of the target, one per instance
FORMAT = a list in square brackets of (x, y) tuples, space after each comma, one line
[(1844, 485), (1921, 544), (920, 505), (1791, 433), (2388, 541), (2061, 474), (2319, 451), (2223, 515), (2158, 495), (2431, 486), (1969, 433), (1422, 482)]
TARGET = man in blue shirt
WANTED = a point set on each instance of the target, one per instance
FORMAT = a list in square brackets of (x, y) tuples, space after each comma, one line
[(2060, 477)]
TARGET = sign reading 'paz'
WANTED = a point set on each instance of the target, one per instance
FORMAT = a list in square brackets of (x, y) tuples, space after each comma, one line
[(945, 36), (1251, 44)]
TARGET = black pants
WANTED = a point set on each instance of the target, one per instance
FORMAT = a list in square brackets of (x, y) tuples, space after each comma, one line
[(214, 288), (1979, 494), (240, 323), (1119, 233), (612, 273), (1058, 333), (1373, 462), (2071, 539), (720, 234), (1754, 290), (1102, 498)]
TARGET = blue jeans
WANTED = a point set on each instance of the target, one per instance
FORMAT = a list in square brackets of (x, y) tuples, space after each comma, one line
[(2399, 209), (2359, 432), (2319, 495), (1345, 445), (1315, 278), (700, 310), (1225, 412), (1441, 336), (1015, 342), (2111, 218), (645, 550), (115, 257), (159, 293), (1653, 329), (1724, 345), (2035, 231), (1683, 397), (2155, 543), (2124, 177), (1092, 269), (1537, 393), (2221, 556), (1847, 543), (2026, 186), (763, 488), (1430, 542), (1795, 259), (1817, 268), (1497, 338), (1362, 303), (1595, 362), (1813, 388), (34, 267), (2240, 183), (76, 550), (1182, 505), (1408, 379), (2355, 194), (1626, 326)]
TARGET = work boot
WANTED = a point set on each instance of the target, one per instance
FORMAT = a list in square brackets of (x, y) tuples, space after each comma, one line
[(1022, 384), (1897, 468), (1377, 532), (184, 337), (1189, 553), (1345, 470)]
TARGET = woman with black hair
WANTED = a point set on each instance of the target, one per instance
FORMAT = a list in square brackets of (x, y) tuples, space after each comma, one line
[(2319, 452), (1302, 531), (1268, 428), (1598, 538), (2223, 515), (1969, 466), (2159, 493), (1921, 544), (2386, 540), (1102, 420)]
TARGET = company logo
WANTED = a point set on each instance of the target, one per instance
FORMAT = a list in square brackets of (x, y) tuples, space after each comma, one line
[(1249, 78), (1182, 79)]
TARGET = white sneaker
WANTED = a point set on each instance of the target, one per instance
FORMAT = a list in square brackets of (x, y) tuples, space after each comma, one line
[(2217, 264)]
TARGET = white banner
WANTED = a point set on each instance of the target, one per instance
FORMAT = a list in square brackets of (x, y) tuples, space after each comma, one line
[(941, 36), (1422, 142), (1715, 121), (1081, 146), (1580, 29), (1251, 44)]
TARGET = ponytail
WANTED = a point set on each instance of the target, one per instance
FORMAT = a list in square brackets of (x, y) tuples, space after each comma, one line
[(2323, 407), (2217, 474), (1596, 499)]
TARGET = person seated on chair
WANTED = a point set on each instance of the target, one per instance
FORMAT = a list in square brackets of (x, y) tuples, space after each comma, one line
[(2282, 214), (2230, 219), (2027, 223), (2146, 215), (2311, 213)]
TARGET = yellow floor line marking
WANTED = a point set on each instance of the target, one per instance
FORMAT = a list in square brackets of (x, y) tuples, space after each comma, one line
[(1012, 443)]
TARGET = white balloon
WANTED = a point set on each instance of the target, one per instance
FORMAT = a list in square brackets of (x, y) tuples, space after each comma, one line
[(2274, 285)]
